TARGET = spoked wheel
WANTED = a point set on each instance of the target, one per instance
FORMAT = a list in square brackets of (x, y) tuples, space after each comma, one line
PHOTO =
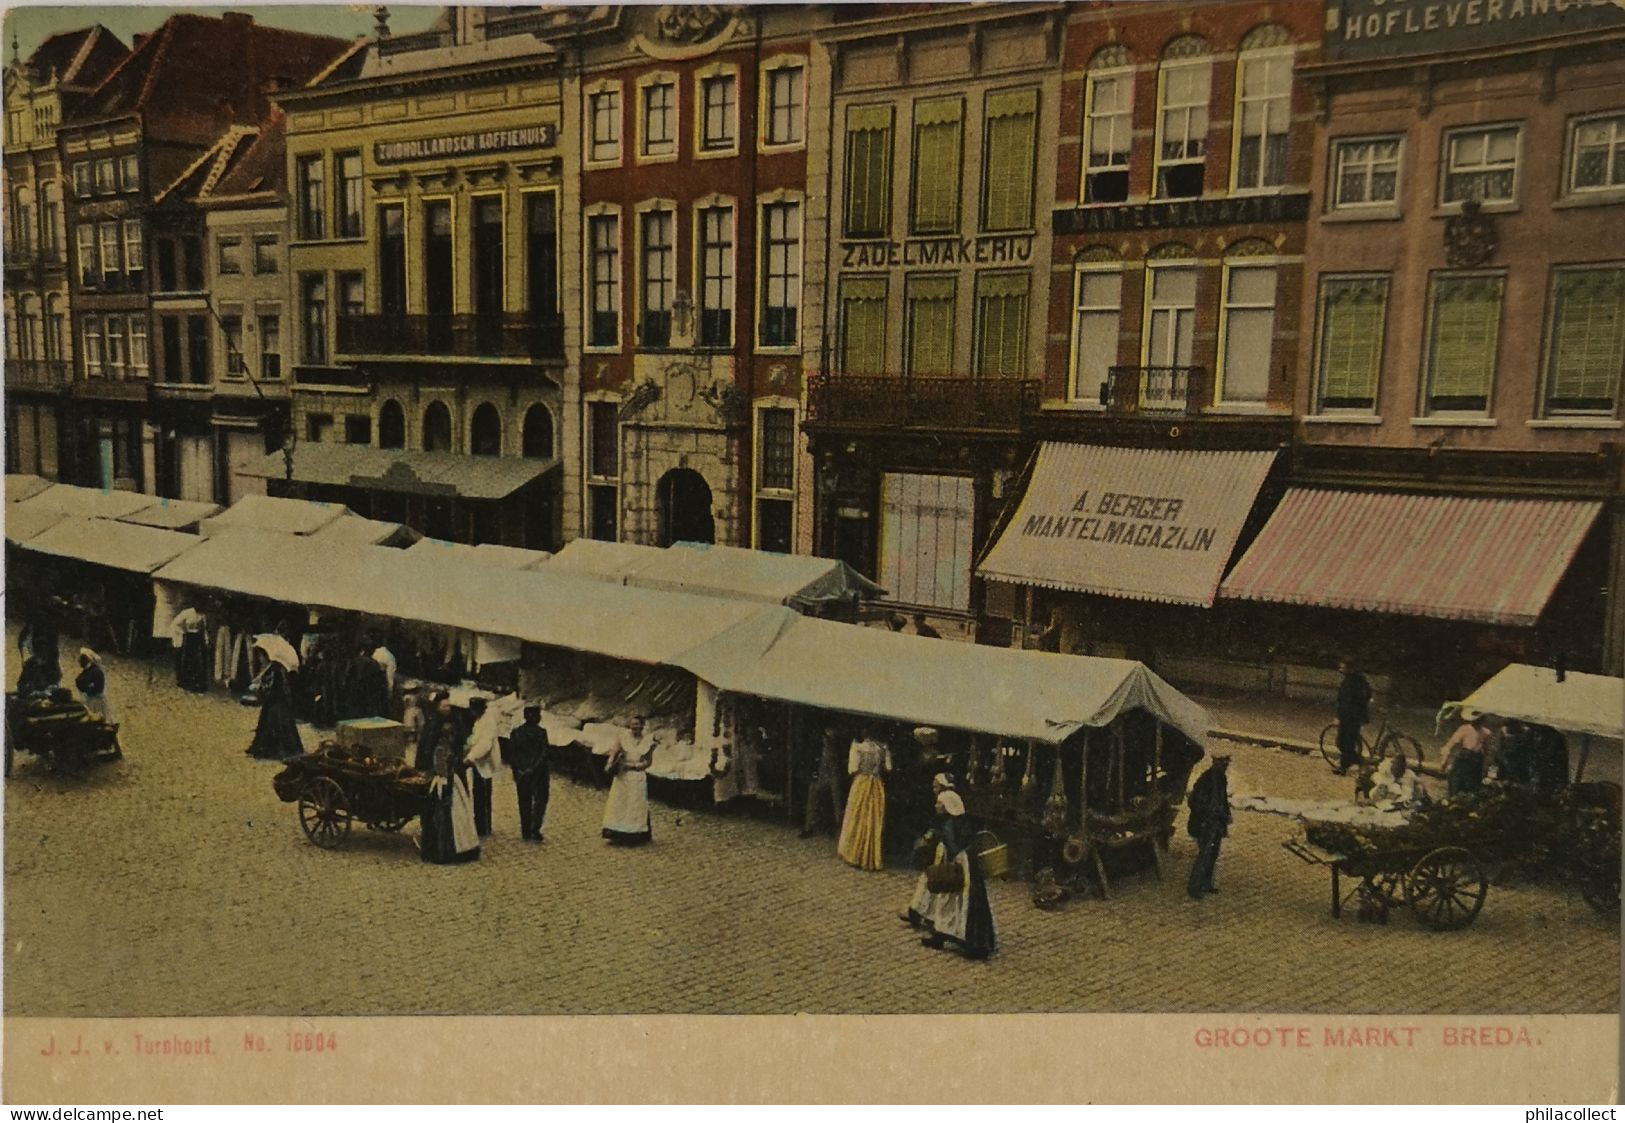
[(324, 812), (1390, 886), (1445, 889), (1600, 888), (1328, 747), (1402, 744)]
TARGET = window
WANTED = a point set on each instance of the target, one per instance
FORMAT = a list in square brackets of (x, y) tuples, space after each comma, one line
[(660, 119), (89, 267), (129, 172), (785, 98), (230, 251), (358, 429), (347, 194), (1001, 324), (197, 348), (231, 343), (1247, 333), (90, 342), (1597, 154), (863, 325), (926, 529), (658, 279), (604, 247), (106, 180), (192, 255), (928, 325), (312, 189), (56, 343), (82, 179), (716, 276), (485, 431), (116, 359), (392, 259), (166, 264), (719, 113), (489, 264), (391, 425), (1365, 172), (1170, 325), (270, 345), (938, 125), (438, 263), (781, 273), (775, 479), (1008, 154), (1585, 340), (174, 356), (265, 254), (135, 256), (110, 246), (868, 171), (1464, 326), (1481, 164), (536, 440), (22, 222), (603, 463), (1096, 326), (1264, 110), (138, 346), (1108, 127), (352, 294), (51, 221), (542, 265), (604, 113), (1183, 93), (313, 316), (437, 428), (318, 427)]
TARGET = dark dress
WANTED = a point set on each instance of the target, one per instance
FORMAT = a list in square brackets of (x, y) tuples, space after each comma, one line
[(1353, 711), (1209, 824), (1549, 752), (192, 669), (439, 840), (980, 939), (277, 735)]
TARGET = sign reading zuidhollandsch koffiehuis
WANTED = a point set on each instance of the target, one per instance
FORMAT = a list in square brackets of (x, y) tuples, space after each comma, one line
[(1361, 29), (465, 144)]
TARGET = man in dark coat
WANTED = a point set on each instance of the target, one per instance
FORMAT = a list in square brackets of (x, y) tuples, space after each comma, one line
[(1209, 824), (1353, 711), (526, 754)]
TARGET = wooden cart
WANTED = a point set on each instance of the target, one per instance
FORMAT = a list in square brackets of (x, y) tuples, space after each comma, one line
[(60, 731), (336, 786)]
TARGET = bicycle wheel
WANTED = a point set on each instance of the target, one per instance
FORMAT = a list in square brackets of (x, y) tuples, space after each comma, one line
[(1329, 749), (1403, 744)]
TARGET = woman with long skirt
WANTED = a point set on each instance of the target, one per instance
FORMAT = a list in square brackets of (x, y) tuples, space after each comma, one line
[(960, 917), (92, 686), (626, 814), (449, 836), (865, 822), (277, 735)]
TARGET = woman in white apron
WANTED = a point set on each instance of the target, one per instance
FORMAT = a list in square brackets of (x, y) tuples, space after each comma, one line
[(92, 686), (626, 815)]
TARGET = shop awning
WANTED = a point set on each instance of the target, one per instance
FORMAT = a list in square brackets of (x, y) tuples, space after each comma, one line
[(1146, 524), (879, 673), (90, 502), (134, 549), (272, 513), (798, 580), (1494, 561), (438, 474), (355, 530), (173, 514), (1579, 704), (24, 523), (21, 486), (485, 553)]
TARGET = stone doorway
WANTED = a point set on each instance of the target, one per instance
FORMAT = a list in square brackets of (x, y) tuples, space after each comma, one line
[(684, 501)]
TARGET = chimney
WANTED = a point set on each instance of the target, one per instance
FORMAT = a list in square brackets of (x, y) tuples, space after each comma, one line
[(238, 23)]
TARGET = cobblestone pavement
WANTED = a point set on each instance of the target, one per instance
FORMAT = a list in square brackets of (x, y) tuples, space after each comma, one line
[(175, 883)]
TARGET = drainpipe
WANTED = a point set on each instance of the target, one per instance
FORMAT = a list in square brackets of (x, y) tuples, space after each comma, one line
[(823, 523)]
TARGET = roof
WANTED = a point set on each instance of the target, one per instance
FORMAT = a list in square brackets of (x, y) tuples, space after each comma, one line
[(20, 486), (135, 549), (486, 553), (78, 58), (875, 672), (355, 530), (716, 571), (173, 514), (1494, 561), (257, 168), (206, 170), (24, 523), (410, 473), (89, 501), (269, 512), (1145, 524), (1579, 704)]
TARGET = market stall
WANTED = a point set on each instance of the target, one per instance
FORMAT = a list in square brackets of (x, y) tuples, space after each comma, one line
[(20, 485), (173, 514), (484, 554), (1591, 707), (271, 513)]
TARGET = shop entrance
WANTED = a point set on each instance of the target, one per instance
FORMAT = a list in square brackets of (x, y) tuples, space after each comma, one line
[(684, 501)]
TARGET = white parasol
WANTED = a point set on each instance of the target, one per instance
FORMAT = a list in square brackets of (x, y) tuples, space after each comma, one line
[(278, 650)]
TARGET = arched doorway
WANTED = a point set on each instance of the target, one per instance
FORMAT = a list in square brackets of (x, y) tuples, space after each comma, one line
[(391, 425), (684, 501), (538, 436), (485, 431), (437, 428)]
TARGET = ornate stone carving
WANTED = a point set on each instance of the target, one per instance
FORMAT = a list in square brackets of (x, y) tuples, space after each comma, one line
[(1469, 237), (688, 24), (725, 398), (643, 395)]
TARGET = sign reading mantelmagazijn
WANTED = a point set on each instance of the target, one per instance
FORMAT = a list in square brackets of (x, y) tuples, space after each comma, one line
[(1148, 524), (1370, 29), (465, 144)]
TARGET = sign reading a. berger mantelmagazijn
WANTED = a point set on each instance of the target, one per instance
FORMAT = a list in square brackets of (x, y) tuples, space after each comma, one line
[(1358, 29), (465, 144)]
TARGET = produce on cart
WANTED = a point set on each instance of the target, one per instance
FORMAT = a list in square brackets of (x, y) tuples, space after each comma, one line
[(51, 725), (337, 785)]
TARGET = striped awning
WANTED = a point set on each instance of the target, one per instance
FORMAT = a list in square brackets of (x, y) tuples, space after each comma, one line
[(1495, 561), (1146, 524)]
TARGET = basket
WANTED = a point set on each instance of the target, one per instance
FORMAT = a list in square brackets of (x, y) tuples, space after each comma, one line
[(993, 855), (925, 853), (945, 877)]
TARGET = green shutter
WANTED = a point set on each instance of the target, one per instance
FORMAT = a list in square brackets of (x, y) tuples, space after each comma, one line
[(1588, 340), (1466, 327), (1007, 163), (1001, 324), (1351, 342), (938, 125), (868, 170), (930, 324), (863, 325)]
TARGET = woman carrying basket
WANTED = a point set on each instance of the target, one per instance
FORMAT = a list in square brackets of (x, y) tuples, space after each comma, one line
[(951, 901)]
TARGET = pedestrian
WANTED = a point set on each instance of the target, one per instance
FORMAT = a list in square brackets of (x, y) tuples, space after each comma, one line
[(92, 686), (895, 622), (526, 753), (954, 909), (385, 658), (484, 757), (1467, 754), (863, 828), (186, 632), (450, 836), (921, 628), (276, 737), (825, 782), (42, 642), (1353, 711), (1515, 754), (1209, 824), (626, 814), (1550, 751)]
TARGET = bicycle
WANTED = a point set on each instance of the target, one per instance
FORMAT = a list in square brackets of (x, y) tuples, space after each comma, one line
[(1388, 742)]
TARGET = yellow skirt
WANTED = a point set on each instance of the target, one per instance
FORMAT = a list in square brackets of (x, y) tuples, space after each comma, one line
[(865, 820)]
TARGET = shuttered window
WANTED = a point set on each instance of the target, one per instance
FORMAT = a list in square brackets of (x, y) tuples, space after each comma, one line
[(926, 529), (1464, 316), (1353, 311), (1587, 340), (930, 324), (1001, 324), (938, 128), (863, 325), (1007, 160), (868, 171)]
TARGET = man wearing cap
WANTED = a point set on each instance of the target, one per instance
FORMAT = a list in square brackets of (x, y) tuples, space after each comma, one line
[(1209, 824), (527, 755)]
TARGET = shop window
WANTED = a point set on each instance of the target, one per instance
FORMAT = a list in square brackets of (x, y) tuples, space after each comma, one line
[(1365, 172), (358, 430), (1184, 88), (265, 254), (604, 114), (1008, 154), (537, 439), (1263, 109), (938, 164), (1096, 325), (311, 185), (1001, 324), (1481, 164), (1108, 126), (657, 279), (1464, 327), (437, 428), (1597, 154), (485, 431), (347, 194), (863, 325), (867, 211), (1247, 334), (719, 113), (928, 325), (927, 524), (391, 425), (318, 427), (785, 101), (716, 276), (1585, 341), (781, 274), (604, 248)]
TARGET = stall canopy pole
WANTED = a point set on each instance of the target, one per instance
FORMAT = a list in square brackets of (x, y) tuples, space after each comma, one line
[(1585, 753)]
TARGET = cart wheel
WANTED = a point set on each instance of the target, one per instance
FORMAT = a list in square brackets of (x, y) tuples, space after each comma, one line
[(1446, 889), (1390, 886), (324, 812), (1329, 750), (1402, 744), (1600, 888)]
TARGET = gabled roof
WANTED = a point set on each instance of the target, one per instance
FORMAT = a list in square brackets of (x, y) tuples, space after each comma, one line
[(256, 169), (204, 172), (78, 58)]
